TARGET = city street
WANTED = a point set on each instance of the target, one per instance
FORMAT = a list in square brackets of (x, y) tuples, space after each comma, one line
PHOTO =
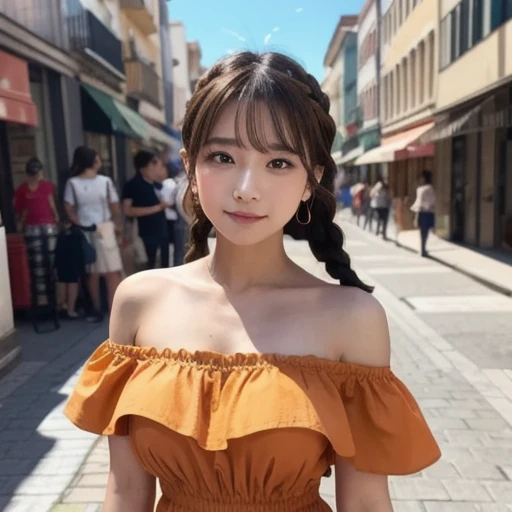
[(451, 345)]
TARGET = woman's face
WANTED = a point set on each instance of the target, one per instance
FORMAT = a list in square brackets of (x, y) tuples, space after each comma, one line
[(248, 195)]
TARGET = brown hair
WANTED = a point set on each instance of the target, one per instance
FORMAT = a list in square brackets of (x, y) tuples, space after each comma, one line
[(300, 115)]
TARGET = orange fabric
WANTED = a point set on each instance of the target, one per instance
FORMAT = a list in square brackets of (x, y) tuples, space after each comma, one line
[(234, 430)]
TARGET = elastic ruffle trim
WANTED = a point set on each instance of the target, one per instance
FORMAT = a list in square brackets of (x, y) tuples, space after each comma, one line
[(367, 414)]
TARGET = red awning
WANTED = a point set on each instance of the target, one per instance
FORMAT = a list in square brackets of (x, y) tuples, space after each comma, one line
[(16, 103)]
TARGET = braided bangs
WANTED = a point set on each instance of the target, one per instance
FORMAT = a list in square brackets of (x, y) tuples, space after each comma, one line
[(254, 82), (299, 111)]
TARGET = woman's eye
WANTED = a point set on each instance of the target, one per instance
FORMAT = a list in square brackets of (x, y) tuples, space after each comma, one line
[(280, 164), (222, 158)]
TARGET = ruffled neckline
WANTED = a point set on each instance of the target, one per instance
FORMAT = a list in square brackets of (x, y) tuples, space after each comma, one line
[(206, 359)]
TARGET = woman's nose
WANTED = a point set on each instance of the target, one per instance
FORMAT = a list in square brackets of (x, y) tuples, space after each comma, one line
[(246, 187)]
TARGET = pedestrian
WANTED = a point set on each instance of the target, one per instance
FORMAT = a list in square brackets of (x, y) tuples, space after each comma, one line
[(238, 379), (424, 207), (34, 203), (166, 191), (382, 205), (140, 201), (92, 205), (371, 208)]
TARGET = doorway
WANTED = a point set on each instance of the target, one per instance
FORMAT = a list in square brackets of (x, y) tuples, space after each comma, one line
[(458, 188)]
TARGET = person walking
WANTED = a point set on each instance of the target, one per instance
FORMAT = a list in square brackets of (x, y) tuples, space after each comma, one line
[(424, 209), (382, 204), (140, 201), (92, 205), (238, 379)]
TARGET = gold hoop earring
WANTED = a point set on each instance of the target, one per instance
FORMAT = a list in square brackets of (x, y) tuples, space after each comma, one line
[(297, 215)]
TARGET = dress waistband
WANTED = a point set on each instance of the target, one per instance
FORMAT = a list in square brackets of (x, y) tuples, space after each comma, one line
[(311, 501)]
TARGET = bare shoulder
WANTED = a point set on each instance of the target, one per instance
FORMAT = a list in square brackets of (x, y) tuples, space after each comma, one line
[(136, 294), (360, 325)]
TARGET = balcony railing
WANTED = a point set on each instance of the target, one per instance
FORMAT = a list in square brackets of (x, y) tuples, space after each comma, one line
[(142, 81), (44, 18), (88, 35), (141, 14)]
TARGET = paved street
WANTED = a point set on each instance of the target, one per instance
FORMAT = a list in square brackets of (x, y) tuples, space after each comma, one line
[(451, 345)]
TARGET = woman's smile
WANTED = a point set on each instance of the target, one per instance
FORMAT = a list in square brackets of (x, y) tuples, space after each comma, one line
[(244, 217)]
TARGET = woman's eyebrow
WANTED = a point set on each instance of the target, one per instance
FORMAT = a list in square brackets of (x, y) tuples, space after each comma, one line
[(228, 141)]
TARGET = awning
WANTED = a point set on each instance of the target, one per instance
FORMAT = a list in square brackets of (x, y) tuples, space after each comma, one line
[(160, 137), (108, 106), (351, 156), (387, 151), (149, 133), (16, 105), (445, 128)]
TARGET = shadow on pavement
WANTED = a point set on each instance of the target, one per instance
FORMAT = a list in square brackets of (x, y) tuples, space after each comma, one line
[(40, 451)]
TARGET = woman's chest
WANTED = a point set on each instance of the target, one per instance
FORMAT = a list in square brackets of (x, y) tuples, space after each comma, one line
[(283, 323)]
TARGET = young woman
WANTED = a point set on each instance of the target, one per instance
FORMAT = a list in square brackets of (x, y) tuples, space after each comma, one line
[(92, 203), (34, 202), (238, 379)]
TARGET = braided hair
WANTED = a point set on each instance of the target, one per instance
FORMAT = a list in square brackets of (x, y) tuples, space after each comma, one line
[(299, 111)]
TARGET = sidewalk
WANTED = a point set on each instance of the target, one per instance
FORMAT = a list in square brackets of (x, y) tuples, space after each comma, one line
[(492, 268), (470, 416)]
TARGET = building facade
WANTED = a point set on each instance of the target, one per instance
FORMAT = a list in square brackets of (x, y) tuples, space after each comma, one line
[(332, 84), (473, 136), (181, 78), (368, 80), (408, 77), (75, 72)]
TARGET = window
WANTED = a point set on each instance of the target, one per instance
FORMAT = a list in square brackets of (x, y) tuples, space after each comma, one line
[(445, 57), (478, 17), (421, 78), (413, 78), (398, 104), (405, 78), (431, 46), (454, 34), (501, 11), (464, 27), (391, 112)]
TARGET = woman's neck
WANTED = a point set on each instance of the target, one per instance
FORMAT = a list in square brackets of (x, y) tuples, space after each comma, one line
[(33, 183), (88, 174), (238, 268)]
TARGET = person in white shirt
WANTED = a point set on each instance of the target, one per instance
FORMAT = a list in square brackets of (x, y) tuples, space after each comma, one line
[(424, 208), (92, 205), (166, 192)]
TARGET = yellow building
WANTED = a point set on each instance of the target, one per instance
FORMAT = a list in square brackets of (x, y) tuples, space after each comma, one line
[(473, 133), (408, 55)]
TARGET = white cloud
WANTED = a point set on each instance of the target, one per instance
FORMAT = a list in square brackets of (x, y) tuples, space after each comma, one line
[(299, 10), (275, 29), (234, 34), (267, 38)]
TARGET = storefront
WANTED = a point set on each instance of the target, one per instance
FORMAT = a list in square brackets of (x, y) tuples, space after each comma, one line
[(473, 172), (17, 109), (400, 159)]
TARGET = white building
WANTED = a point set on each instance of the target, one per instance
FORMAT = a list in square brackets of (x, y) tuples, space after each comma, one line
[(181, 74), (368, 75)]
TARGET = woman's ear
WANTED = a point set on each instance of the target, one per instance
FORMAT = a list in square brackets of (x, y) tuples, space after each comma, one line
[(318, 172)]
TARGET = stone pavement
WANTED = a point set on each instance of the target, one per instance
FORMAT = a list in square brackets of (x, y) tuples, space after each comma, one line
[(469, 408)]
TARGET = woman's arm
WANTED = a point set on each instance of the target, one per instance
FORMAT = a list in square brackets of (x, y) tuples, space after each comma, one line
[(71, 213), (130, 487), (366, 328)]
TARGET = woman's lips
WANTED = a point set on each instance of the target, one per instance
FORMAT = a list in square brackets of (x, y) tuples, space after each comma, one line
[(244, 217)]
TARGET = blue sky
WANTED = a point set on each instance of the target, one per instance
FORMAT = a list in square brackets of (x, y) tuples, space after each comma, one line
[(300, 28)]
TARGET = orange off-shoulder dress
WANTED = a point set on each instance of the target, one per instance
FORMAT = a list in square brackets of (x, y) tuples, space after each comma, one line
[(249, 432)]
